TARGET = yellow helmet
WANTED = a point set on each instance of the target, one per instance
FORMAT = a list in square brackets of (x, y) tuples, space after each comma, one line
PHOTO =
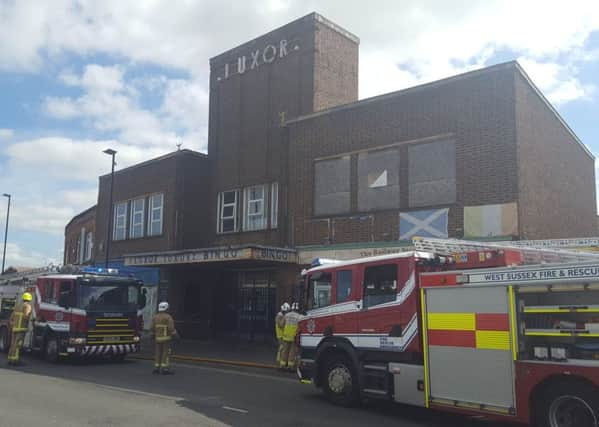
[(27, 296)]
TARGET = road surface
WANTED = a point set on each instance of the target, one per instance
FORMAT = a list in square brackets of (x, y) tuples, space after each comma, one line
[(127, 394)]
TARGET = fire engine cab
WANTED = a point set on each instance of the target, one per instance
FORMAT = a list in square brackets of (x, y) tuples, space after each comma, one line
[(480, 329), (89, 312)]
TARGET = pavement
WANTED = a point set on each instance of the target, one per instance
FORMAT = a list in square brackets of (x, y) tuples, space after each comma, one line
[(225, 352), (100, 393)]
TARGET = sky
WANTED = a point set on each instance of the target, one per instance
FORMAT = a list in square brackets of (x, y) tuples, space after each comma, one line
[(77, 77)]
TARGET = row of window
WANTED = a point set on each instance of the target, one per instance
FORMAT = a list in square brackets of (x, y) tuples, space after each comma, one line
[(379, 287), (248, 209), (88, 247), (133, 221), (431, 179)]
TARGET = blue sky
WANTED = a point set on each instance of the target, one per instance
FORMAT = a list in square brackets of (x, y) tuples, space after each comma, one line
[(77, 77)]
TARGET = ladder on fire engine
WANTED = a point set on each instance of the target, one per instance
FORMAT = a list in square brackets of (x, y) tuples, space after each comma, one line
[(27, 275), (531, 254)]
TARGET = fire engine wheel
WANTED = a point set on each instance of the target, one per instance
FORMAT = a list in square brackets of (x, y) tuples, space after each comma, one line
[(568, 404), (3, 340), (340, 381), (51, 349)]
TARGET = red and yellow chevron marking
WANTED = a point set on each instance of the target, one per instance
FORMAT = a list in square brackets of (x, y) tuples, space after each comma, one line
[(489, 331)]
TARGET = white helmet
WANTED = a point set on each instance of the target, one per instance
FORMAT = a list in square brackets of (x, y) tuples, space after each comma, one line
[(285, 307), (163, 306)]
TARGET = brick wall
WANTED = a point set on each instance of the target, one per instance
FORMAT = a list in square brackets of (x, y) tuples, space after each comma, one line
[(336, 66), (246, 145), (179, 177), (72, 238), (476, 110), (556, 174)]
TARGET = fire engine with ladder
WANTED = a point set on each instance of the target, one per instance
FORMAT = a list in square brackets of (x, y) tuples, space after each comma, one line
[(501, 331), (76, 312)]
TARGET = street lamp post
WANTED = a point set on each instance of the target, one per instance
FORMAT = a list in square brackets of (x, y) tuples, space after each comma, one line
[(6, 231), (112, 153)]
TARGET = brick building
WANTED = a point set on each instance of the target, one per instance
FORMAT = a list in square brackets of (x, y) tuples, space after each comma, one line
[(297, 167), (479, 155), (79, 238)]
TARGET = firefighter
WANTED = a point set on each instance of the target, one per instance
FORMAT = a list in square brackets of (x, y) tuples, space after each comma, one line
[(163, 330), (279, 326), (19, 324), (289, 351)]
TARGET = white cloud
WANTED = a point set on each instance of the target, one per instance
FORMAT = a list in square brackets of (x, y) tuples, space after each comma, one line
[(556, 81), (52, 179), (436, 38), (66, 159), (402, 44), (6, 133), (83, 198), (111, 104), (21, 258)]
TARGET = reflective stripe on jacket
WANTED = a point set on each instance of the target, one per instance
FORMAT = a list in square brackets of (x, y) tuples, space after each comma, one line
[(279, 325), (290, 330), (163, 327), (20, 316)]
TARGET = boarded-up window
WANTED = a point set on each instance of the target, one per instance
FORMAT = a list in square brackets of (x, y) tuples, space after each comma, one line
[(432, 172), (331, 186), (378, 180)]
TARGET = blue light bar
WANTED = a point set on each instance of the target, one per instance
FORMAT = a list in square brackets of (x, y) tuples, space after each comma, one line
[(322, 261), (101, 271)]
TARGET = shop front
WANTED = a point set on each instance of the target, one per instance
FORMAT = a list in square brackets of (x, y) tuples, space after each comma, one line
[(226, 292)]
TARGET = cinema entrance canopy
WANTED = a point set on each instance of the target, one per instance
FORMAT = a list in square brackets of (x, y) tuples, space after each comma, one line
[(224, 291)]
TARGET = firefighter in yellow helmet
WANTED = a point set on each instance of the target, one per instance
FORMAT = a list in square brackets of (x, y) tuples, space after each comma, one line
[(289, 352), (163, 330), (279, 327), (19, 324)]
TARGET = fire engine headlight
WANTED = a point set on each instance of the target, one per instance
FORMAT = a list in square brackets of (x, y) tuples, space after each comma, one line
[(135, 339), (77, 341)]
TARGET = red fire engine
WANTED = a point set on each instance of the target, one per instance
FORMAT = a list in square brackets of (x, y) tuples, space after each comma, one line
[(90, 312), (459, 326)]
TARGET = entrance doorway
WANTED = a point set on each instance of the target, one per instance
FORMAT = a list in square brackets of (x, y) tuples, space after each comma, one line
[(256, 305)]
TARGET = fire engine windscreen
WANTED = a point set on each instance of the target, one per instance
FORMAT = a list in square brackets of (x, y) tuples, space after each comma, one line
[(109, 297)]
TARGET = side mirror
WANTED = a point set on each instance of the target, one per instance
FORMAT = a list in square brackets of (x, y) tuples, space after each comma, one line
[(142, 299)]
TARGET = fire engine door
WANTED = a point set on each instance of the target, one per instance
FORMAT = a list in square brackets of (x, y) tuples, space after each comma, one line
[(469, 347), (380, 322), (63, 316)]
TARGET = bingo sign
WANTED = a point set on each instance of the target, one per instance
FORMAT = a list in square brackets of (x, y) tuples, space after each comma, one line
[(214, 254)]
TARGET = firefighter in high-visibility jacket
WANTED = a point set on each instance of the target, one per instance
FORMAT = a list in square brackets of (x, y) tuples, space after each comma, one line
[(163, 330), (19, 324), (279, 327), (290, 350)]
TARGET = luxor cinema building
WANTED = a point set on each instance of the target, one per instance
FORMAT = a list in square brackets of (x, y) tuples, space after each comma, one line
[(298, 167)]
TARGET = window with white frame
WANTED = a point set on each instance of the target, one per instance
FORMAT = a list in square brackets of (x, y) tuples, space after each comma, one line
[(155, 209), (274, 204), (89, 246), (120, 221), (227, 211), (254, 217), (137, 218)]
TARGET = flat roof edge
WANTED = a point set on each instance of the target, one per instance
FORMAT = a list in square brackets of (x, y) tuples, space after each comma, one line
[(314, 15), (319, 18), (401, 92), (184, 151)]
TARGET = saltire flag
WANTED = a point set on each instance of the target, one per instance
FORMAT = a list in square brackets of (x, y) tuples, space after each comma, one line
[(426, 223)]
